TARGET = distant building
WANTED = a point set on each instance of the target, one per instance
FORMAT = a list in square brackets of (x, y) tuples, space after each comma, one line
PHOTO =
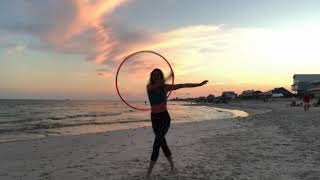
[(229, 95), (315, 89), (247, 93), (281, 92), (200, 99), (302, 83), (210, 98)]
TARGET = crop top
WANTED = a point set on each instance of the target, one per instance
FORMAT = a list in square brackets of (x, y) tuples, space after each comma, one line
[(157, 97)]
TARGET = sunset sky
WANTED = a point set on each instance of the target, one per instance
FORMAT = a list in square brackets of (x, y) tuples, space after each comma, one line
[(53, 49)]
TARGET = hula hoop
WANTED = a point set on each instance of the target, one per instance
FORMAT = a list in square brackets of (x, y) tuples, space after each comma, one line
[(125, 59)]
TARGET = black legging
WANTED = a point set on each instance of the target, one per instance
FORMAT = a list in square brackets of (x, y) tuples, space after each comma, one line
[(160, 125)]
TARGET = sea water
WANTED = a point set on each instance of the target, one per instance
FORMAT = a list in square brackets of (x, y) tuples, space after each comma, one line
[(32, 119)]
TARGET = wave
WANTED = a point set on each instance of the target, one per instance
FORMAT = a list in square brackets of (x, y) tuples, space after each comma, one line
[(83, 115), (19, 121), (27, 120), (40, 126)]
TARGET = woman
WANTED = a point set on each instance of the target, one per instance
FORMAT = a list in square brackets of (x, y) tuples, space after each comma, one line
[(157, 93)]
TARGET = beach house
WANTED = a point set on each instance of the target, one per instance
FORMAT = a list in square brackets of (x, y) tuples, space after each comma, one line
[(248, 94), (229, 94), (303, 83), (315, 89), (281, 92)]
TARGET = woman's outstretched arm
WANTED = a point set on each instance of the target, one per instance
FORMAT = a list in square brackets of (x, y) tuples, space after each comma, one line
[(185, 85)]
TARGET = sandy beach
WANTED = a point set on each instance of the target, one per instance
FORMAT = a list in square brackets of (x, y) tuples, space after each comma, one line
[(275, 141)]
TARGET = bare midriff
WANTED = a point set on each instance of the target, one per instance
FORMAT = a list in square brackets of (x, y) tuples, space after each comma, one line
[(157, 108)]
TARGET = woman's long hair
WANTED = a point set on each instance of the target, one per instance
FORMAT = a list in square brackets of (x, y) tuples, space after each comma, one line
[(161, 74)]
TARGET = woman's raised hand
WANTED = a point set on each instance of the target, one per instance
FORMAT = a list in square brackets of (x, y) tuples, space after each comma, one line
[(203, 82)]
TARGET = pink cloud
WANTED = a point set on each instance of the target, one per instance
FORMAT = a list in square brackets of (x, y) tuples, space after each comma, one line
[(82, 26), (74, 26)]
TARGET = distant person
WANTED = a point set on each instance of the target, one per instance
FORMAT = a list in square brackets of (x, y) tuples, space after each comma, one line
[(306, 102), (318, 103), (160, 118)]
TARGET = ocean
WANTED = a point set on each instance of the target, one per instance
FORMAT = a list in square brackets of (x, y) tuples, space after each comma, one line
[(33, 119)]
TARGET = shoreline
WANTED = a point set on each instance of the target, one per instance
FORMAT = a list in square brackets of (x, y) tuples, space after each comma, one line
[(114, 126), (250, 110), (280, 144)]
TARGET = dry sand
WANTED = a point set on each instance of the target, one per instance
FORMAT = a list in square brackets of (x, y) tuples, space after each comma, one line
[(275, 142)]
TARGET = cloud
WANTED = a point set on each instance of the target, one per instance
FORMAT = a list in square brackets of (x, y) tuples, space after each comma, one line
[(182, 38), (66, 26), (185, 40), (83, 26), (87, 18)]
